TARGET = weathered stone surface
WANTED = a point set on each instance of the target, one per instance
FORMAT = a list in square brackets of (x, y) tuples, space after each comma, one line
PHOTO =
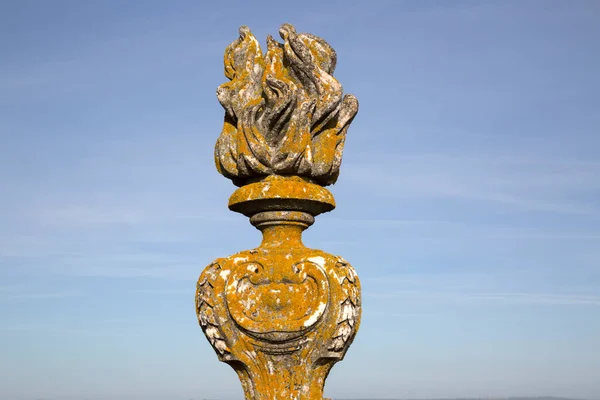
[(281, 314), (285, 113), (281, 194)]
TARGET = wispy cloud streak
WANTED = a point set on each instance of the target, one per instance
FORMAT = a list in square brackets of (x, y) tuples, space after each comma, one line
[(526, 184), (501, 298)]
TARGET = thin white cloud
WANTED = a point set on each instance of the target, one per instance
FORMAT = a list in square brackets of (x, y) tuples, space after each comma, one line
[(546, 185), (18, 292), (167, 292), (102, 64), (42, 295), (65, 331), (87, 216), (390, 221), (502, 298)]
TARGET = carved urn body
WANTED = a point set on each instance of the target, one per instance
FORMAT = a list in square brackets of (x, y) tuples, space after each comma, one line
[(281, 314)]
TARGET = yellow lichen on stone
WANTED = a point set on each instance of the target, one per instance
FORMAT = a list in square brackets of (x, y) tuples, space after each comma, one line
[(285, 113), (281, 314), (284, 193)]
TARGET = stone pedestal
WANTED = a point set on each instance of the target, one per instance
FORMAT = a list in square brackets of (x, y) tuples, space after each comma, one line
[(281, 314)]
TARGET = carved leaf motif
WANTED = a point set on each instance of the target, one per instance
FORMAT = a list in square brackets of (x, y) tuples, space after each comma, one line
[(205, 309), (337, 344), (349, 307)]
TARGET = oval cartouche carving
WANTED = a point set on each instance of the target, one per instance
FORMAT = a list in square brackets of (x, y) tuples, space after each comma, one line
[(277, 303)]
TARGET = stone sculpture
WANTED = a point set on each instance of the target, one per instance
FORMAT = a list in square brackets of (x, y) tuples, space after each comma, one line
[(281, 314)]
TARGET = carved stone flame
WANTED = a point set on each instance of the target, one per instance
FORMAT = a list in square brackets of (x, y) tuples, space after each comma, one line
[(285, 113)]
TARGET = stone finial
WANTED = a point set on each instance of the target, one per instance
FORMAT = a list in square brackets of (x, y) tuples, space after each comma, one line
[(281, 314), (285, 113)]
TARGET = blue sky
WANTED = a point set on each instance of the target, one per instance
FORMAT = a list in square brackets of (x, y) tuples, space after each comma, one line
[(468, 200)]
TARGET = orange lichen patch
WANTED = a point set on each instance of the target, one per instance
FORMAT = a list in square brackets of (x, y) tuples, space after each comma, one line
[(277, 301), (282, 193), (281, 314), (285, 113)]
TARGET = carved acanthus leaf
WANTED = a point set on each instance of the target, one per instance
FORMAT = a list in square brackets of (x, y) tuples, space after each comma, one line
[(205, 309), (349, 310)]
